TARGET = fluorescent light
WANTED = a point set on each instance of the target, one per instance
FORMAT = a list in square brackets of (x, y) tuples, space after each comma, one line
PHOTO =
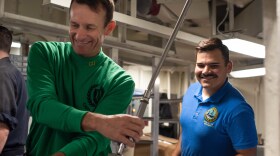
[(64, 3), (245, 47), (248, 73), (16, 45)]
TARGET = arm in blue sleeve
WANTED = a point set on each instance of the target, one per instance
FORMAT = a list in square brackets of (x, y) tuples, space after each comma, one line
[(242, 129)]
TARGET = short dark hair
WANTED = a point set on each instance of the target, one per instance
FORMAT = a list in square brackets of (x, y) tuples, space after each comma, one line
[(6, 39), (108, 5), (211, 44)]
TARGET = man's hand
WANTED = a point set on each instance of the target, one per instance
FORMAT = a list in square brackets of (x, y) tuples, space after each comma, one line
[(177, 150), (4, 132), (247, 152), (118, 128)]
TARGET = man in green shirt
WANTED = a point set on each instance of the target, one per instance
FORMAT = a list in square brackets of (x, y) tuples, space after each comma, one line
[(75, 90)]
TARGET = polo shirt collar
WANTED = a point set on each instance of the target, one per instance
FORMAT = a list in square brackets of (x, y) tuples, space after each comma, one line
[(216, 97)]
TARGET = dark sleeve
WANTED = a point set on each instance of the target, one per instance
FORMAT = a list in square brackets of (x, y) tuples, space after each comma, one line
[(8, 107)]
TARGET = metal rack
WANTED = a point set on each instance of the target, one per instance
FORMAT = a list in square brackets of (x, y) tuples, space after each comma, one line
[(20, 62), (154, 118)]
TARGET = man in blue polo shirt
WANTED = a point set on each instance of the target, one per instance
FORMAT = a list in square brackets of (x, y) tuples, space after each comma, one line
[(216, 120)]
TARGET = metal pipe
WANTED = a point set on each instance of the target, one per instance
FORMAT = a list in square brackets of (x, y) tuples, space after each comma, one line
[(169, 43), (170, 101), (214, 17), (231, 15), (2, 6), (145, 100)]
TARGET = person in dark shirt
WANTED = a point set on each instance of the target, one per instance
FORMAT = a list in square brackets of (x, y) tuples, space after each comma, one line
[(14, 116)]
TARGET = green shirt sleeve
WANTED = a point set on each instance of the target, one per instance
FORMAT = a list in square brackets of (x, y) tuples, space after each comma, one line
[(115, 102), (43, 103), (87, 144)]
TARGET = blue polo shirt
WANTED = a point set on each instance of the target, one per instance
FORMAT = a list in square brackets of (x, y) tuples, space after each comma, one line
[(217, 126)]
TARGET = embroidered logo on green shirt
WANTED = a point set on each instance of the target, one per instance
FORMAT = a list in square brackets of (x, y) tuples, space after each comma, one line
[(94, 94), (91, 63)]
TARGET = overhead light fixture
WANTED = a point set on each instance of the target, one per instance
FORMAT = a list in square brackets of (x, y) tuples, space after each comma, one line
[(60, 3), (16, 45), (245, 47), (248, 73)]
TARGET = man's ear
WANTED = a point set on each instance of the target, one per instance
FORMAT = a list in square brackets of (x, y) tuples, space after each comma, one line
[(229, 66), (110, 27)]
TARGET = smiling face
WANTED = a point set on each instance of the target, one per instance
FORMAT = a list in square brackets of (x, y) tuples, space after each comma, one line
[(211, 70), (87, 30)]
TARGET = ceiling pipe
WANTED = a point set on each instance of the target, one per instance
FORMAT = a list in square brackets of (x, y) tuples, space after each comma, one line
[(27, 24), (231, 15), (214, 17), (2, 4)]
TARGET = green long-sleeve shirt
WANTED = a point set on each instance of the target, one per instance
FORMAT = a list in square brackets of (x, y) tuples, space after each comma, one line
[(63, 87)]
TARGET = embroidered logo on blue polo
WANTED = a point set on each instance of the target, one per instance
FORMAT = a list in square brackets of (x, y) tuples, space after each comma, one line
[(210, 116)]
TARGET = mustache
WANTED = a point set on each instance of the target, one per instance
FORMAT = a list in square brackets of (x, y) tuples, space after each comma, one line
[(208, 75)]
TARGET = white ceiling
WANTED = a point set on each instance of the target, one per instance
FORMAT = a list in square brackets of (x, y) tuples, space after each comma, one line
[(144, 36)]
